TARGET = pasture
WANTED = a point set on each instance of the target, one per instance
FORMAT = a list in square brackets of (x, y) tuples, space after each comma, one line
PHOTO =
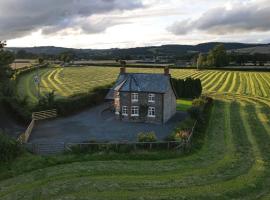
[(73, 80), (21, 63), (233, 163)]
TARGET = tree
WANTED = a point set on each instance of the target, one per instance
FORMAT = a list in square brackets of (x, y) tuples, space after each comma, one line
[(6, 58), (217, 57), (40, 60), (66, 56), (123, 63), (200, 61), (2, 45)]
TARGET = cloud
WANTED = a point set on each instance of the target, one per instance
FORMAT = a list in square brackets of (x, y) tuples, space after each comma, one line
[(22, 17), (239, 18)]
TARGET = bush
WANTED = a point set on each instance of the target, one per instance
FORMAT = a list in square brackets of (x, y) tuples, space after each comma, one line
[(182, 130), (198, 102), (147, 137), (182, 135), (9, 148)]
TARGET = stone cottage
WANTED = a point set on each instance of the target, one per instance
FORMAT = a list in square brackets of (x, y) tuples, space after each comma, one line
[(143, 97)]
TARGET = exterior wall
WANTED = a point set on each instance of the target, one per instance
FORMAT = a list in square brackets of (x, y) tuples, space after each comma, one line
[(169, 105), (125, 100)]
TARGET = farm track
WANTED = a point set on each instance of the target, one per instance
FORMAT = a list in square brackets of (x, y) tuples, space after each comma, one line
[(233, 163)]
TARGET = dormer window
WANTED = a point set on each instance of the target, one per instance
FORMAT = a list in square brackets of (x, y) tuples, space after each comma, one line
[(151, 98), (134, 97)]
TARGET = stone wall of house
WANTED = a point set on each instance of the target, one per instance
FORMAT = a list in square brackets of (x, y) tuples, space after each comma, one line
[(169, 105), (143, 104)]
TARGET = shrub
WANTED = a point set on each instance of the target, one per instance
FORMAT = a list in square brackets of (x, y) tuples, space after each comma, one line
[(198, 102), (182, 130), (147, 137), (182, 135), (9, 148)]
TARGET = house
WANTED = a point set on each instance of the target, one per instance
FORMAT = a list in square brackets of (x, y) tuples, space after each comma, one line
[(143, 97)]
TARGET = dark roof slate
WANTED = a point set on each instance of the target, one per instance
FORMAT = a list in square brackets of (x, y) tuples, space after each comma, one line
[(141, 82)]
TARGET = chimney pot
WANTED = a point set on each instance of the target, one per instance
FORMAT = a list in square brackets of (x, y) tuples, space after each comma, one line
[(122, 70), (166, 71)]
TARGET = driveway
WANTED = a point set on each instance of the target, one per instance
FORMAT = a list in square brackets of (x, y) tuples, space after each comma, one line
[(98, 125)]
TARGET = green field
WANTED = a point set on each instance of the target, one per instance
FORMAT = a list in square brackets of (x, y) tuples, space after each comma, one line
[(72, 80), (234, 162), (183, 104)]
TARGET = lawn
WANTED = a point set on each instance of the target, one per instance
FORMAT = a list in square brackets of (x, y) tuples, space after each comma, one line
[(183, 104), (233, 162)]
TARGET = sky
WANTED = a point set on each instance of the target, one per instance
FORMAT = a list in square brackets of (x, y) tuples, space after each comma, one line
[(102, 24)]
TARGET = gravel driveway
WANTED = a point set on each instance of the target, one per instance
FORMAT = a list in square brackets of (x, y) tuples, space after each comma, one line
[(95, 124)]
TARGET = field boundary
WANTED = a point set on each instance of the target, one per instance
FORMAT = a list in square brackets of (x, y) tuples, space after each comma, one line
[(251, 69), (53, 148), (47, 114)]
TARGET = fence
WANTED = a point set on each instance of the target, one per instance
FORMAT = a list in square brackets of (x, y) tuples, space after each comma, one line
[(52, 148), (24, 137), (44, 114), (122, 146)]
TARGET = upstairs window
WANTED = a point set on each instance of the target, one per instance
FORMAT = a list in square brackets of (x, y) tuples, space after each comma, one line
[(134, 97), (151, 112), (151, 98), (124, 110), (135, 111)]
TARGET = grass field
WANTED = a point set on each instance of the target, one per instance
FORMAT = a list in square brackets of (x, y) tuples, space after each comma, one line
[(69, 81), (183, 104), (234, 162)]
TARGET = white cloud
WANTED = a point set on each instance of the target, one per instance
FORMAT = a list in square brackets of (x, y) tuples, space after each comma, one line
[(233, 18), (128, 23), (22, 17)]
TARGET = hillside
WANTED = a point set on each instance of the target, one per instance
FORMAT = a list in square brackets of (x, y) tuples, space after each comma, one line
[(253, 50), (165, 50)]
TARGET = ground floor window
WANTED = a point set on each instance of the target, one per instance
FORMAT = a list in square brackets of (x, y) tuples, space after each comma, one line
[(151, 112), (124, 110), (135, 111)]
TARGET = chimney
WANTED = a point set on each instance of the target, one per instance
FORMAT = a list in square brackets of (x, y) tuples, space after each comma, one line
[(166, 71), (122, 70)]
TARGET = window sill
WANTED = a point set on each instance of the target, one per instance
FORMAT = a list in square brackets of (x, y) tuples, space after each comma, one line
[(151, 116), (134, 115)]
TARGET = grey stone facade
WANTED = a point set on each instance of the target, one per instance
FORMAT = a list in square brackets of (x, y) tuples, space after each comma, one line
[(143, 104), (131, 97)]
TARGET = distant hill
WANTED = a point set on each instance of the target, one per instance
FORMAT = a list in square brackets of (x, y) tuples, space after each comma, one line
[(253, 50), (164, 50)]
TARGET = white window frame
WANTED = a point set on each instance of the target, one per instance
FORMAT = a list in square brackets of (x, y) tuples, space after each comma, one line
[(151, 112), (134, 97), (151, 98), (124, 110), (134, 108)]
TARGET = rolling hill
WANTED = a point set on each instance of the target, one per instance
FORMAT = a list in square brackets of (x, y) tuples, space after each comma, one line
[(165, 50)]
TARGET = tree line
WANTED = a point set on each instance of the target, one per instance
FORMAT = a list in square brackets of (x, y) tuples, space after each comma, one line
[(187, 88), (219, 57)]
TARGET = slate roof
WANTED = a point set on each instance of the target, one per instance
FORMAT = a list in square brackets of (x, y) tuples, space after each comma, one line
[(141, 82)]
